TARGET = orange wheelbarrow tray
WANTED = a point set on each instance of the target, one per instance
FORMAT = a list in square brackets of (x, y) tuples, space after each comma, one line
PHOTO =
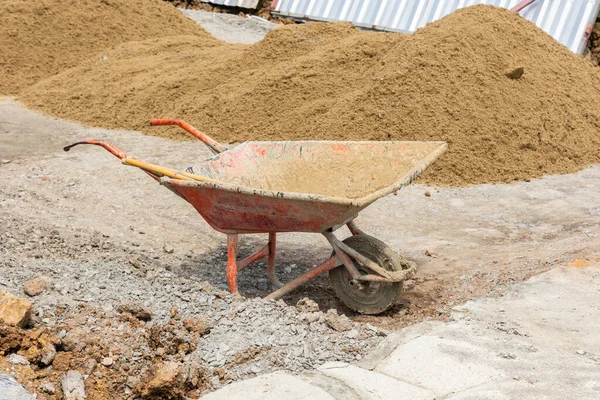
[(301, 186)]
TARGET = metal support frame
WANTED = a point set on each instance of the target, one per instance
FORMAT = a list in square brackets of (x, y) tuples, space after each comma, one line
[(354, 230), (344, 255), (234, 266)]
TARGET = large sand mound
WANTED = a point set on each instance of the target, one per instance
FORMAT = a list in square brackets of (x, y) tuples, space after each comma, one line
[(330, 81), (42, 37)]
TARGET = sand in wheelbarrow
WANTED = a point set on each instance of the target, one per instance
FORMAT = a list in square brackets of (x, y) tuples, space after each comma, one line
[(42, 37), (450, 81)]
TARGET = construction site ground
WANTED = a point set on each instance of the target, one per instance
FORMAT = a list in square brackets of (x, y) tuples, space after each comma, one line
[(104, 236), (538, 341)]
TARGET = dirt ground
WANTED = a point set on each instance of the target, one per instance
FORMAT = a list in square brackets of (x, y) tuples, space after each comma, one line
[(482, 237), (95, 226)]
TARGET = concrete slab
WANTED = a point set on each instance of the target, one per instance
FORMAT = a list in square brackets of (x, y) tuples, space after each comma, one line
[(274, 386), (386, 347), (442, 365), (538, 341), (370, 385), (523, 389)]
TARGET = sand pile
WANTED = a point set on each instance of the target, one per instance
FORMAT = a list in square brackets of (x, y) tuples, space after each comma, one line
[(42, 37), (330, 81)]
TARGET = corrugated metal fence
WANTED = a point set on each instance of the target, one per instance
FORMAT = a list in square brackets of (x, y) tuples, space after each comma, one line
[(565, 20)]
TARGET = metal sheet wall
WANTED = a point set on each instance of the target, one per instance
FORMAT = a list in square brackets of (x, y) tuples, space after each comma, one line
[(565, 20), (234, 3)]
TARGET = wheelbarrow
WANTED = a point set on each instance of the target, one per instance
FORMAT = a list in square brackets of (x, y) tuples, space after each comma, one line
[(301, 186)]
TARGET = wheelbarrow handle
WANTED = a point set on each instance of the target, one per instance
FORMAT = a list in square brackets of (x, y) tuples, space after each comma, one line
[(154, 170), (112, 149), (212, 144)]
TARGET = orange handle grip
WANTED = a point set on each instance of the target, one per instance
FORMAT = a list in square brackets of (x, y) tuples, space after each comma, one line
[(215, 146)]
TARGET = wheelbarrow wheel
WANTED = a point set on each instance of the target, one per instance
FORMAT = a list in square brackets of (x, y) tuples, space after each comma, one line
[(362, 296)]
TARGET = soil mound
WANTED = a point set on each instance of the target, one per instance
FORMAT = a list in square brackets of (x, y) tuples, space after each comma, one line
[(40, 38), (455, 80)]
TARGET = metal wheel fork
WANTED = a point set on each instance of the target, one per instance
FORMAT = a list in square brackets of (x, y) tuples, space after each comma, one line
[(345, 253)]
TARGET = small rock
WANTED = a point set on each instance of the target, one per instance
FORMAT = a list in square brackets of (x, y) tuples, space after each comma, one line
[(107, 361), (352, 333), (164, 379), (255, 369), (307, 305), (33, 355), (224, 348), (75, 340), (197, 325), (431, 253), (338, 323), (17, 359), (47, 387), (48, 354), (581, 352), (313, 317), (72, 386), (132, 381), (515, 73), (428, 194), (508, 356), (89, 366), (14, 310), (34, 286), (168, 249), (136, 310)]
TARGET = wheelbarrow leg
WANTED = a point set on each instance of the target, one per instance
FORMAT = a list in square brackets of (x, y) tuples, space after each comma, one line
[(271, 261), (232, 243)]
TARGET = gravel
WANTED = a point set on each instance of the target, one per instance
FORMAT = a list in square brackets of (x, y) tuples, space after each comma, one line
[(227, 336)]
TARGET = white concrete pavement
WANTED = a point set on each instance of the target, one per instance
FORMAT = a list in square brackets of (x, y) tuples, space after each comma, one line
[(541, 340)]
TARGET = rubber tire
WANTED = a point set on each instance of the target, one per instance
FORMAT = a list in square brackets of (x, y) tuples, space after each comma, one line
[(387, 294)]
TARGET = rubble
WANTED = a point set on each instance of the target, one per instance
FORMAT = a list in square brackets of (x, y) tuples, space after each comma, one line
[(73, 387), (17, 359), (136, 310), (35, 286), (47, 387), (337, 322), (48, 353), (14, 310), (164, 381), (75, 340)]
